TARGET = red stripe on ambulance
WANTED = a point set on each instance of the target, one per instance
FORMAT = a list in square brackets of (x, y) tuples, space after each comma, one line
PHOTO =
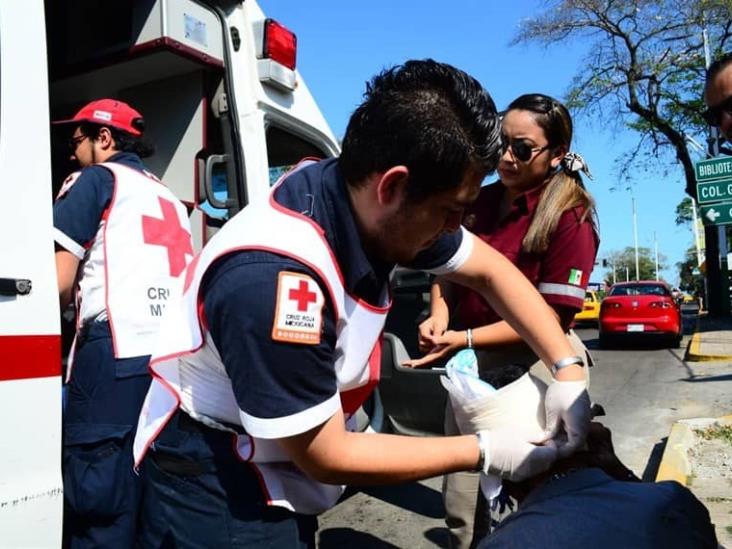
[(29, 356)]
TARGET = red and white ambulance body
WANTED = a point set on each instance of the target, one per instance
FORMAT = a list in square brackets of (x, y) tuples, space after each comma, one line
[(227, 112)]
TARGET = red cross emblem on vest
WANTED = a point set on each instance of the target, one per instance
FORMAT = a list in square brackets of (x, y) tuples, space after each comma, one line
[(303, 296), (168, 232)]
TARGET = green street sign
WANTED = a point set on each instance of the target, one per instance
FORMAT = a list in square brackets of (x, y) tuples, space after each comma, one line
[(714, 169), (717, 214), (714, 191)]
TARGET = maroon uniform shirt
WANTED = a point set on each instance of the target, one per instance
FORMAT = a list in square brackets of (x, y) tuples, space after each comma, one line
[(560, 274)]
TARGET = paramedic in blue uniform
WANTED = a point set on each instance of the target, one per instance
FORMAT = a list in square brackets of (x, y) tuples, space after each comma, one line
[(248, 408), (122, 242)]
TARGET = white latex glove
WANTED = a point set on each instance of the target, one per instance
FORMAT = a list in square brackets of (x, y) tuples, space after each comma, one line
[(567, 403), (513, 458)]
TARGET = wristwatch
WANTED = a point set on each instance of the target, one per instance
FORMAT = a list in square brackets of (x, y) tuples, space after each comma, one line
[(564, 362)]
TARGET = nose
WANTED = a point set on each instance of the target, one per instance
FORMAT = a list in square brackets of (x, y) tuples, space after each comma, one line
[(507, 154)]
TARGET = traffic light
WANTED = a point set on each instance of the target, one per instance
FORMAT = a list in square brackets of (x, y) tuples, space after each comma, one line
[(605, 263)]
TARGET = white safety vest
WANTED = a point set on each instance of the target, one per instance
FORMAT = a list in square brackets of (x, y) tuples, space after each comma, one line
[(136, 262), (188, 372)]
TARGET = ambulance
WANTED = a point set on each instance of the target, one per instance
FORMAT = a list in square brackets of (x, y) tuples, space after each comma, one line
[(227, 112)]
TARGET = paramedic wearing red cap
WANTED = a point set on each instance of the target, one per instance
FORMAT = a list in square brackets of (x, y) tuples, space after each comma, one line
[(122, 242)]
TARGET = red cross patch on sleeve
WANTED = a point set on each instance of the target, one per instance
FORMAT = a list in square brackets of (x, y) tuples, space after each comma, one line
[(299, 309)]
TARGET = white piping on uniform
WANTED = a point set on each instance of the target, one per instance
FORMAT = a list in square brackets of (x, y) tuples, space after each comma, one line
[(293, 424), (561, 289), (68, 244), (459, 257)]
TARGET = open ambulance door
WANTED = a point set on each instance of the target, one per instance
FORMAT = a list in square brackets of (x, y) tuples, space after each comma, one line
[(226, 118), (31, 498), (269, 119)]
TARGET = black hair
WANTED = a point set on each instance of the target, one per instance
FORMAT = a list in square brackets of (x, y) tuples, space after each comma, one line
[(432, 118), (123, 141), (717, 66)]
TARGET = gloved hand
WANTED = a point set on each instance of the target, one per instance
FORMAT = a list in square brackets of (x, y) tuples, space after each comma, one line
[(567, 403), (512, 457)]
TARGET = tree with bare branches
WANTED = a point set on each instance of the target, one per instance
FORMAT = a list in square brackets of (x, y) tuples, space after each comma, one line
[(645, 68)]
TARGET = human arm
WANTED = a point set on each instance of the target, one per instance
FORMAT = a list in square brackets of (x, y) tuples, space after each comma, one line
[(436, 324), (516, 300), (449, 342), (76, 216), (288, 392), (66, 266), (561, 276), (330, 454)]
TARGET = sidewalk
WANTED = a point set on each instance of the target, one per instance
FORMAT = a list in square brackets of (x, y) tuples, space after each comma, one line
[(712, 340), (693, 458)]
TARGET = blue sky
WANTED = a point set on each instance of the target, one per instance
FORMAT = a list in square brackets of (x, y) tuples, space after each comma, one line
[(341, 44)]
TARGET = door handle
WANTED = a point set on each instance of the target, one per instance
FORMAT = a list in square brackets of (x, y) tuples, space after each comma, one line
[(15, 286)]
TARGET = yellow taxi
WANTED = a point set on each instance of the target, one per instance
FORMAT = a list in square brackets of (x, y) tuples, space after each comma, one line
[(590, 309)]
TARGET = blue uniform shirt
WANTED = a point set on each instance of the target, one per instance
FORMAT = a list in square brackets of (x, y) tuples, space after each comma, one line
[(272, 379), (587, 508), (77, 214)]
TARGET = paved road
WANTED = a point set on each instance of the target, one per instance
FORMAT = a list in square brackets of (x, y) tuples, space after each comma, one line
[(643, 389)]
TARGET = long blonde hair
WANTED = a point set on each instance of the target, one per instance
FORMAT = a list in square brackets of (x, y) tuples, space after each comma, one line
[(563, 189)]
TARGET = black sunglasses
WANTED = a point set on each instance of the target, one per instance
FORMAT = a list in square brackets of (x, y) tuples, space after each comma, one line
[(521, 149), (74, 142), (713, 115)]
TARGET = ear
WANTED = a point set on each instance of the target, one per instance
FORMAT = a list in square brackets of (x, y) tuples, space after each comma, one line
[(557, 155), (391, 186), (105, 139)]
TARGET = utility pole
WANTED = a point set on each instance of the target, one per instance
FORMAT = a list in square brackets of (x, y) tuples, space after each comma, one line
[(614, 279), (695, 221), (635, 238), (655, 246), (700, 257), (627, 274)]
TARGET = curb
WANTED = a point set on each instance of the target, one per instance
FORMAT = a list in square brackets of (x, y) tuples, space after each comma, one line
[(675, 462), (694, 354)]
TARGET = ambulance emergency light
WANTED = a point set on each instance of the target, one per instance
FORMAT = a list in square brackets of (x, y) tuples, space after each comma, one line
[(276, 53)]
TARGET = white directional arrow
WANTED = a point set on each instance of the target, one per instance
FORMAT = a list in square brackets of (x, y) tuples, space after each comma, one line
[(712, 215)]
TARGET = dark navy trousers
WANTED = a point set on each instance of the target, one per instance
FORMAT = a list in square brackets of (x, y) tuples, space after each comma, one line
[(198, 493), (102, 494)]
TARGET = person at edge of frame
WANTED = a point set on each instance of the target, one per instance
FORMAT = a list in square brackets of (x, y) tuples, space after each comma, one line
[(718, 95), (245, 430), (540, 216)]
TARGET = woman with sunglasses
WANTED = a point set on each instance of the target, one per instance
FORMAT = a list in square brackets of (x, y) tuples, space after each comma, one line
[(542, 218)]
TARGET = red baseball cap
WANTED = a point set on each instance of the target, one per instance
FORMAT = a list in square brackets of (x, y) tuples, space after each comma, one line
[(108, 112)]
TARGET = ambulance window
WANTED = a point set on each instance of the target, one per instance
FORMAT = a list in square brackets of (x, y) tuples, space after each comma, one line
[(284, 150)]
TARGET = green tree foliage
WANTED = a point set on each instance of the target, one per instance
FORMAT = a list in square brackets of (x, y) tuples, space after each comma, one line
[(684, 212), (688, 281), (645, 68), (626, 258)]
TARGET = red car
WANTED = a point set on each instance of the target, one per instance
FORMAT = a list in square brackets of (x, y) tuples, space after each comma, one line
[(640, 308)]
